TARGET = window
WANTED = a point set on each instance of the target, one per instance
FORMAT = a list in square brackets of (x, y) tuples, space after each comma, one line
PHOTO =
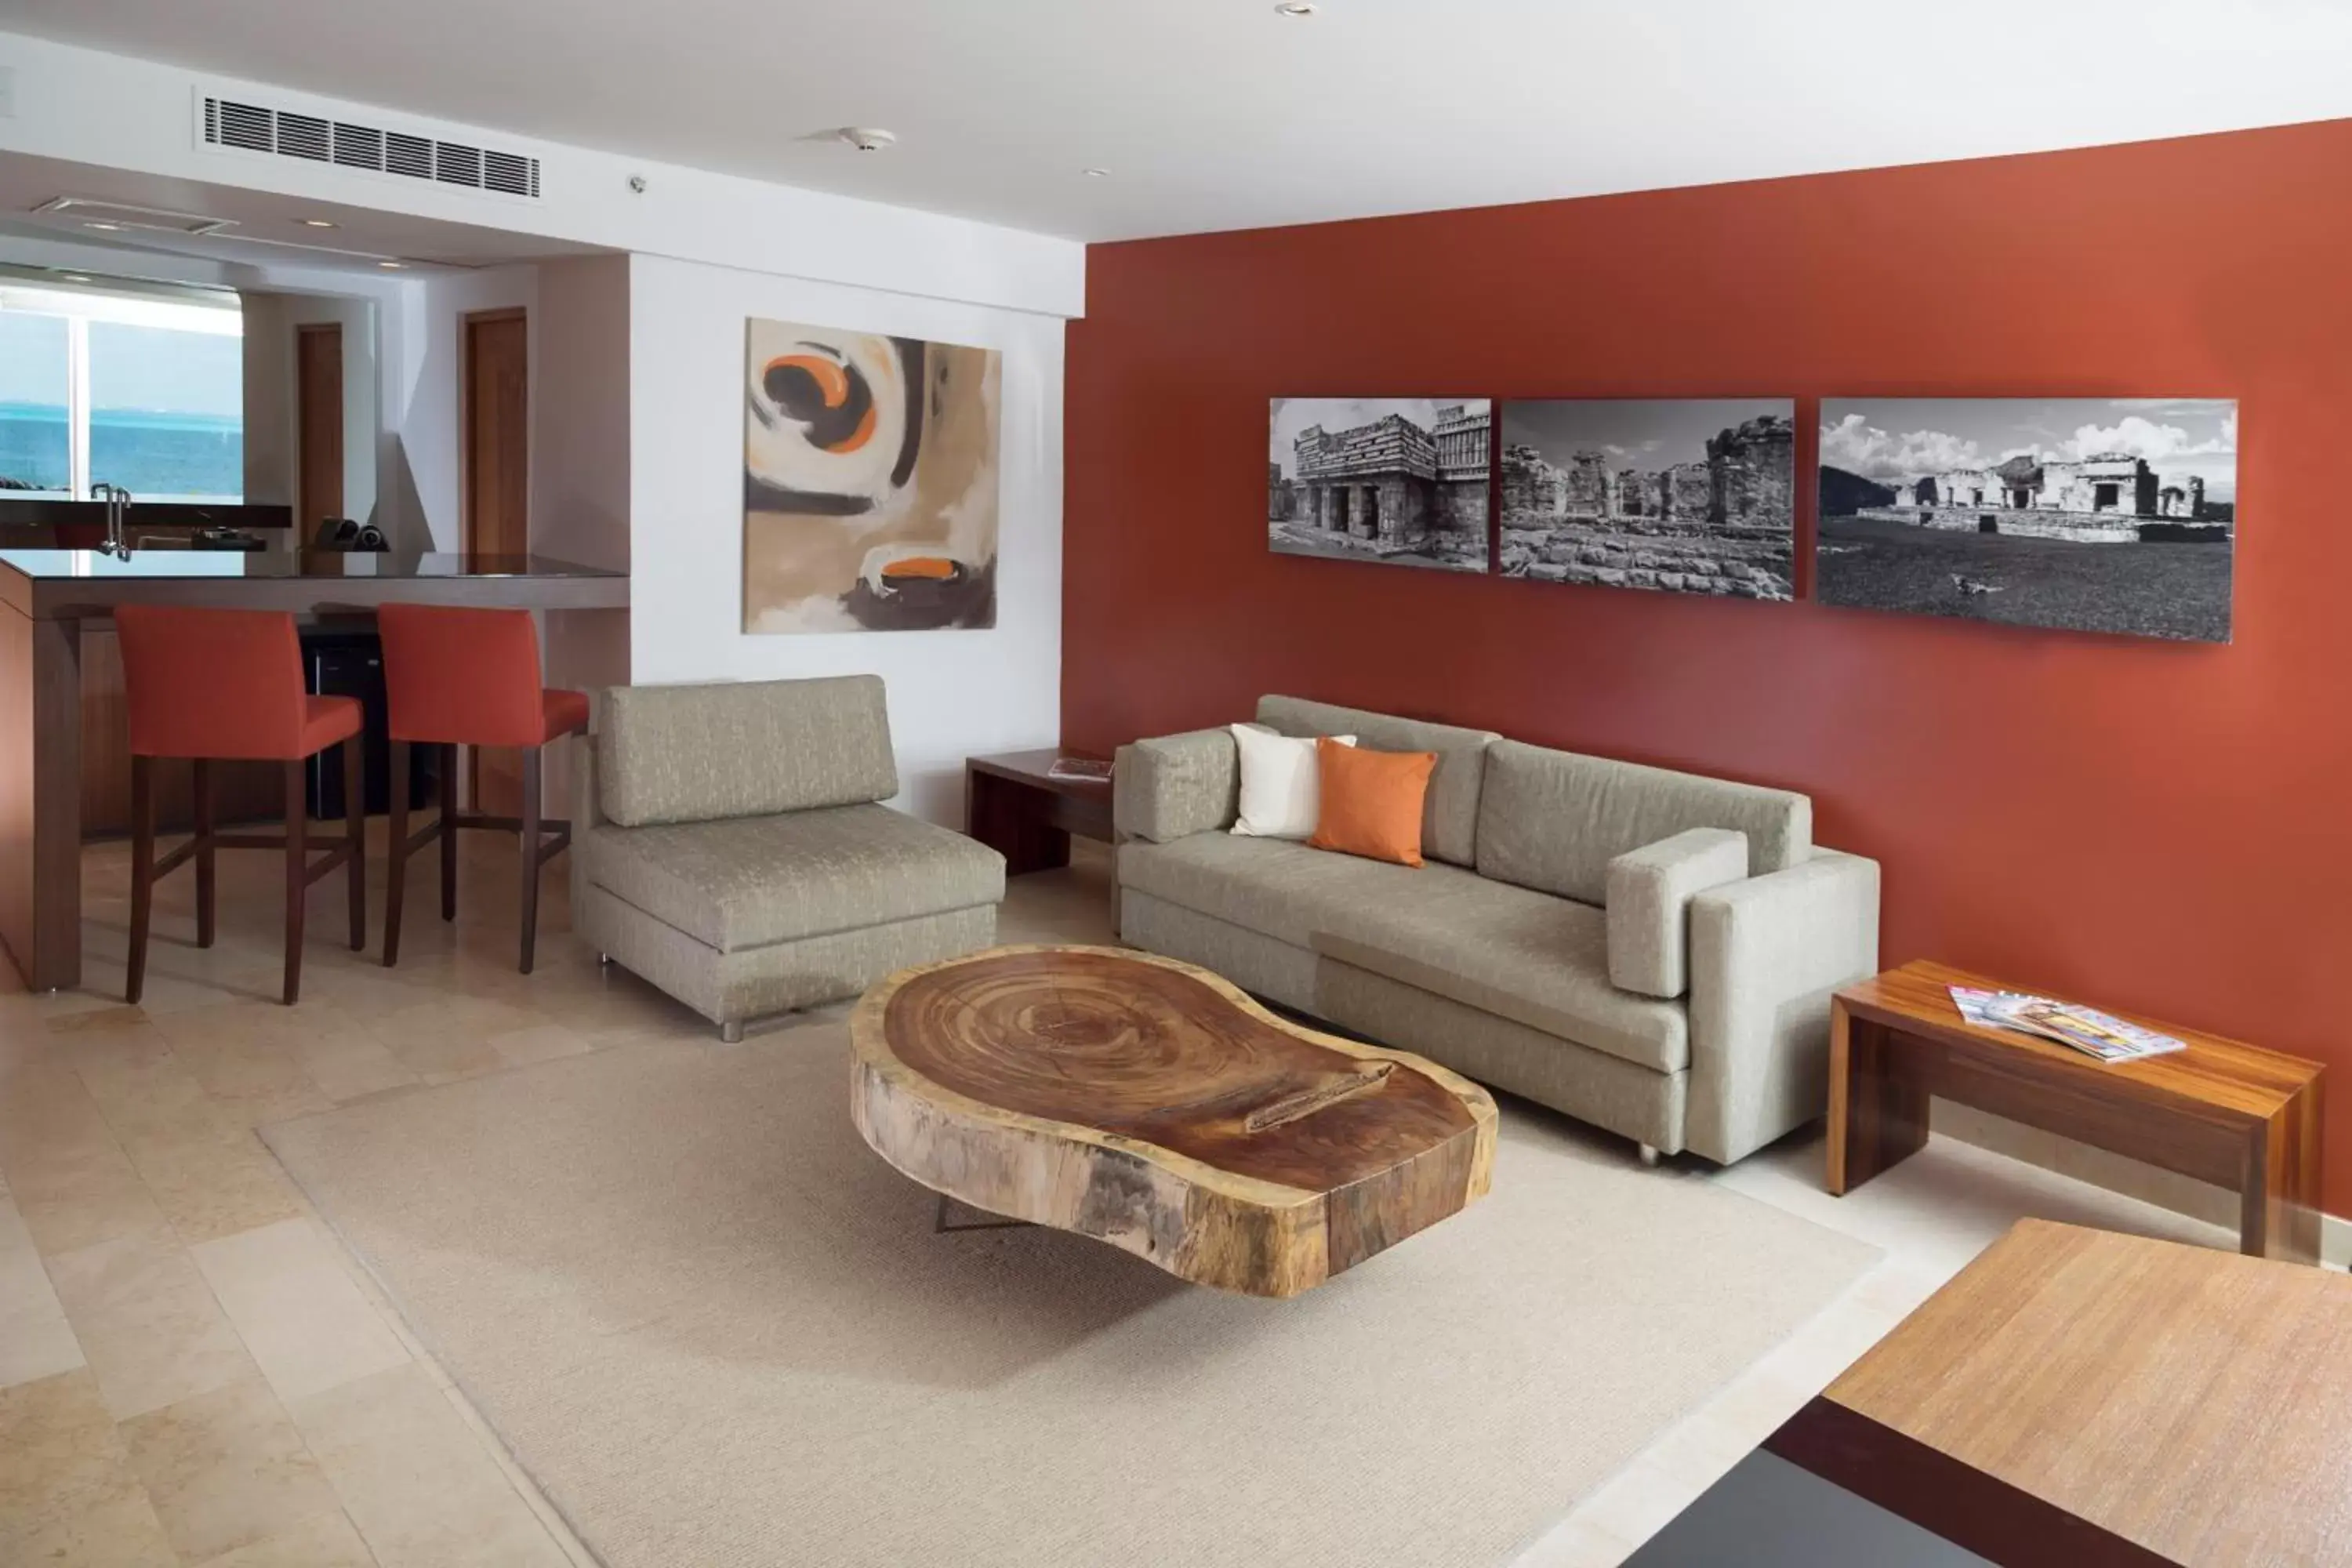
[(36, 379), (109, 388)]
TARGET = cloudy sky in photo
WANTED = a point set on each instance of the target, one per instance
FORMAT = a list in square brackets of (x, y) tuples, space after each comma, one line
[(1649, 433), (1292, 415), (1904, 440)]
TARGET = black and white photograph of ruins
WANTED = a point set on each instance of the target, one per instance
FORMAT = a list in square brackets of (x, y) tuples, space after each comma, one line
[(2085, 514), (1400, 480), (1690, 496)]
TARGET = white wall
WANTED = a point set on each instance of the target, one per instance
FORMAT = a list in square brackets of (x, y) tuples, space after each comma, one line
[(580, 466), (273, 411), (427, 465), (951, 693)]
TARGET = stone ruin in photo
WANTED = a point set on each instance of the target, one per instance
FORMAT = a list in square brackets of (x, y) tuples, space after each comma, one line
[(1725, 526)]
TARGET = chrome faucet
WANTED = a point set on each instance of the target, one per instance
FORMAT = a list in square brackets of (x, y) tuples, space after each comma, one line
[(118, 504)]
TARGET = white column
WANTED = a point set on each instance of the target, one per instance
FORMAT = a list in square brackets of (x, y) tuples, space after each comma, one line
[(78, 406)]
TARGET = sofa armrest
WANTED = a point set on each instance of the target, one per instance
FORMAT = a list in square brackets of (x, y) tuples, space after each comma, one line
[(1648, 903), (1765, 954), (1175, 785)]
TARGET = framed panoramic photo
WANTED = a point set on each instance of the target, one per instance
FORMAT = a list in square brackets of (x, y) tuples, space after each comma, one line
[(1399, 480), (1675, 495), (2106, 514)]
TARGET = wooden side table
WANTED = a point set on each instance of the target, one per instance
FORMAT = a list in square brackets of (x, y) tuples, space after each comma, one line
[(2223, 1111), (1013, 805)]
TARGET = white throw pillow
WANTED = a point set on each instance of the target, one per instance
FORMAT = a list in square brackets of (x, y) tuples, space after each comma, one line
[(1281, 796)]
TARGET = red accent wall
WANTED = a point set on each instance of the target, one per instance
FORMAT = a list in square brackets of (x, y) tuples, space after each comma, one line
[(2156, 826)]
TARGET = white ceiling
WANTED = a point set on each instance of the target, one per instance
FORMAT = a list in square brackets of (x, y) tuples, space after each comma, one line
[(1220, 114), (267, 228)]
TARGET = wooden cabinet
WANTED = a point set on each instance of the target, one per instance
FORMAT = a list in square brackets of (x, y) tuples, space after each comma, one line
[(243, 791)]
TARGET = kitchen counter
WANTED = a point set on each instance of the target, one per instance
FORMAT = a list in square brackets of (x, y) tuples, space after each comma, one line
[(46, 595)]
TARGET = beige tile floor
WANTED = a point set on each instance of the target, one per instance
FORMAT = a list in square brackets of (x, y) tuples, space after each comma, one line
[(193, 1370)]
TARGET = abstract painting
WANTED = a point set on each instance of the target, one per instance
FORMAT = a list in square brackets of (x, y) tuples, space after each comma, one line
[(869, 481), (2095, 514), (1398, 480), (1677, 495)]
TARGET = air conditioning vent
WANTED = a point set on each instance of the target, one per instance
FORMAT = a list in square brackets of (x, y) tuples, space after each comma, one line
[(252, 127), (359, 147), (304, 136), (455, 165), (514, 175), (242, 125), (409, 155)]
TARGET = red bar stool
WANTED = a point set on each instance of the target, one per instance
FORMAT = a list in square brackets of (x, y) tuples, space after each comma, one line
[(469, 678), (220, 684)]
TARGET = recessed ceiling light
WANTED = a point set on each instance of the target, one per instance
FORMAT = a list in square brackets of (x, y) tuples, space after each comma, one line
[(109, 227), (867, 138), (318, 223), (392, 266), (75, 276), (1296, 8), (1096, 173)]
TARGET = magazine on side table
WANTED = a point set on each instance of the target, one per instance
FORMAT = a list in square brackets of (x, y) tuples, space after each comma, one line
[(2097, 1034)]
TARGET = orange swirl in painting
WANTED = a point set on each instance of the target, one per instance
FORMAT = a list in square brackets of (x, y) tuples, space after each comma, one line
[(832, 382)]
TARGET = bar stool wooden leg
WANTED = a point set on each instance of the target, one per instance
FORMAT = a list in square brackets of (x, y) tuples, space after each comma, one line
[(449, 833), (298, 875), (142, 872), (355, 833), (201, 788), (395, 871), (530, 853)]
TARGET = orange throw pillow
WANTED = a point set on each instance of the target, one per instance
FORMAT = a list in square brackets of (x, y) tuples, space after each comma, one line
[(1371, 801)]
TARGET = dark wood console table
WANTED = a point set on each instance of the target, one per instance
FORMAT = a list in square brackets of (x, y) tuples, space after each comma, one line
[(2223, 1111), (1013, 805)]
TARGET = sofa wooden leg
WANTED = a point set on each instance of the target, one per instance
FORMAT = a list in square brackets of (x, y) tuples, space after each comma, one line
[(1649, 1154), (732, 1034)]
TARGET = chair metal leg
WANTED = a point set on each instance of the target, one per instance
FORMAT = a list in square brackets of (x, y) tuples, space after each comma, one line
[(731, 1034), (530, 853), (449, 833), (142, 872), (395, 870), (355, 831), (201, 787), (298, 880), (1649, 1155)]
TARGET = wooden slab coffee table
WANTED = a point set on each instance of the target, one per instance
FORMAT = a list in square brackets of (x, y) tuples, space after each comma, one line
[(1152, 1105)]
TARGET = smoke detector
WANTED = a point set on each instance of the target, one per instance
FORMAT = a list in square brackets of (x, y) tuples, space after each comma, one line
[(865, 138)]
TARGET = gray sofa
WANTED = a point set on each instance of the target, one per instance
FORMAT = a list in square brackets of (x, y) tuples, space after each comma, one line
[(1650, 951), (731, 848)]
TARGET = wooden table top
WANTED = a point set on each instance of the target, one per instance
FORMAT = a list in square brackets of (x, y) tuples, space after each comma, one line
[(2193, 1401), (1151, 1103), (2215, 1071), (1033, 768)]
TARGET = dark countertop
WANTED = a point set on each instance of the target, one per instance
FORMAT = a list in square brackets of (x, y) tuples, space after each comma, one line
[(20, 510), (334, 563), (58, 583)]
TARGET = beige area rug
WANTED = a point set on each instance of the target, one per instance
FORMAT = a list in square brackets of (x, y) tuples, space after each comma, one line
[(720, 1331)]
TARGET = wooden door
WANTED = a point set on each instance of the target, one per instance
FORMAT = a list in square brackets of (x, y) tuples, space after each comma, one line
[(496, 519), (319, 404)]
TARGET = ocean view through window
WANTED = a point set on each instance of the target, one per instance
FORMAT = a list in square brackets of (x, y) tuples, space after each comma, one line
[(101, 387)]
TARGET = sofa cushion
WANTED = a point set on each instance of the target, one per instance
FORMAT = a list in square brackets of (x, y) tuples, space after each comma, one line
[(1449, 821), (1648, 912), (697, 753), (1538, 959), (1553, 820), (752, 880)]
